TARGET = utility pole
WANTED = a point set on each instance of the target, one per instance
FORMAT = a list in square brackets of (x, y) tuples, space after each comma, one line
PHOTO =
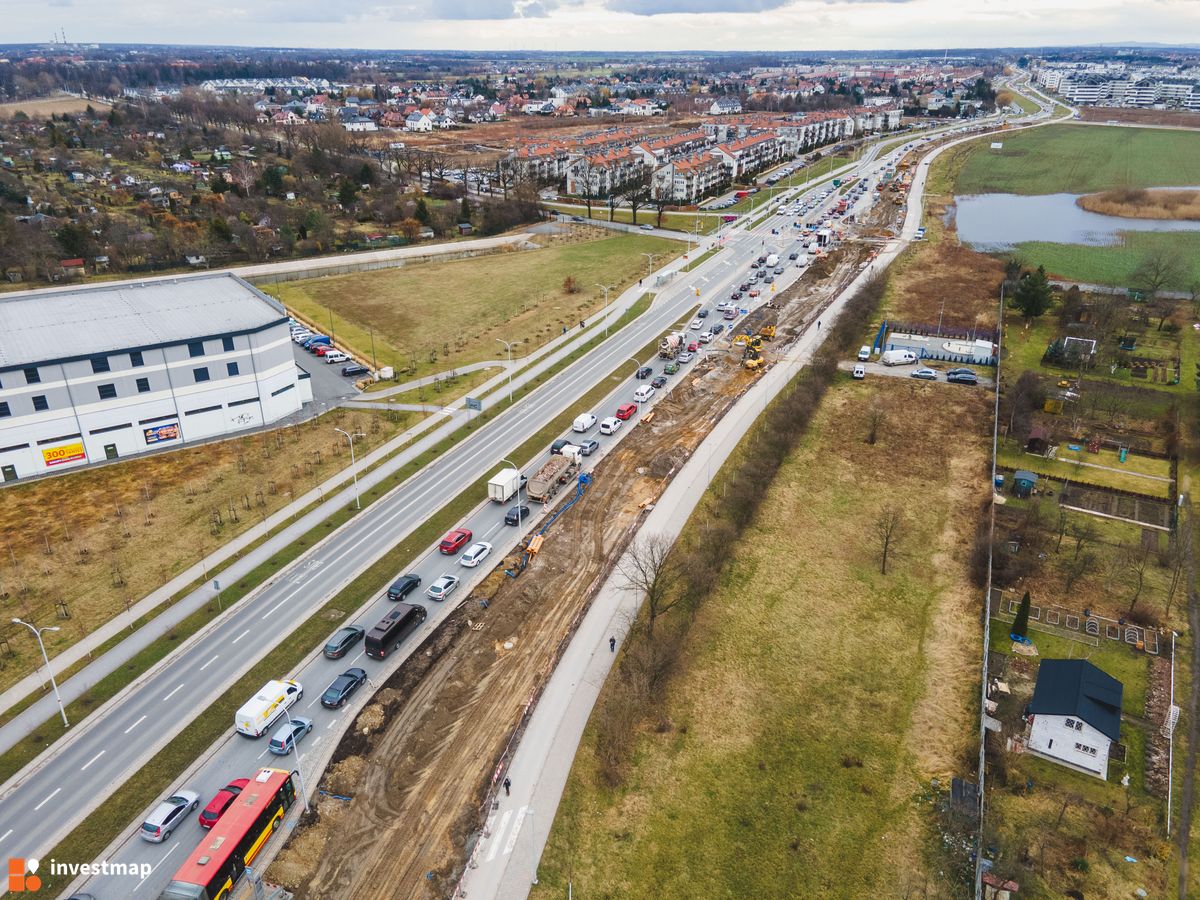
[(38, 634), (606, 288), (353, 467), (650, 257), (508, 347)]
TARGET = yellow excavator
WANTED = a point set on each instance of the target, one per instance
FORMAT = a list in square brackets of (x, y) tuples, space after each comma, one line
[(767, 332)]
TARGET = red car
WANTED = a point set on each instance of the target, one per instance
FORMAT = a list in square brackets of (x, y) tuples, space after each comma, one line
[(455, 540), (325, 348), (693, 347), (220, 803), (626, 411)]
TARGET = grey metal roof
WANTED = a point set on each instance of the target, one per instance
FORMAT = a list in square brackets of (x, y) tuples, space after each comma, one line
[(41, 326), (1075, 687)]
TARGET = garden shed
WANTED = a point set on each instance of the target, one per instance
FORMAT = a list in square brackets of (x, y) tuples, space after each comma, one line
[(1024, 482)]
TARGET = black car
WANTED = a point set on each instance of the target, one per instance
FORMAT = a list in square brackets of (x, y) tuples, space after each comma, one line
[(702, 314), (516, 515), (557, 446), (755, 265), (963, 378), (644, 372), (793, 256), (342, 640), (588, 447), (717, 329), (355, 370), (659, 381), (745, 286), (403, 586), (960, 371), (735, 296), (343, 687)]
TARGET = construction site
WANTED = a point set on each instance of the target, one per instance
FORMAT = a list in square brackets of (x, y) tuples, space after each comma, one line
[(407, 792)]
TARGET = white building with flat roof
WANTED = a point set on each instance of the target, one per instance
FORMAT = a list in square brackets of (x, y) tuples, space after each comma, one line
[(113, 370)]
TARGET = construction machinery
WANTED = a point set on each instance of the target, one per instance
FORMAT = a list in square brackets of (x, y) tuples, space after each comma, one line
[(671, 345), (535, 541), (767, 332), (558, 470)]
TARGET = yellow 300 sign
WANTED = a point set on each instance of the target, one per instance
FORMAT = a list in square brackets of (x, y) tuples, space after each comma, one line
[(56, 456)]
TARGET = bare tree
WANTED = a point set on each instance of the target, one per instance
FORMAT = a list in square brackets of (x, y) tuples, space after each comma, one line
[(1084, 533), (1076, 568), (1176, 556), (1158, 268), (649, 570), (887, 533), (875, 418), (586, 181), (637, 191), (1137, 562)]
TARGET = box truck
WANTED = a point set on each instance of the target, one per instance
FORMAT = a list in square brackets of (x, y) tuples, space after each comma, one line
[(503, 485)]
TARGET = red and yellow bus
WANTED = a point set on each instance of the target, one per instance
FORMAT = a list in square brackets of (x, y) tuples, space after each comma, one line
[(243, 829)]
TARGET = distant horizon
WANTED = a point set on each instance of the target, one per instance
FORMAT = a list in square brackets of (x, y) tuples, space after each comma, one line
[(610, 26)]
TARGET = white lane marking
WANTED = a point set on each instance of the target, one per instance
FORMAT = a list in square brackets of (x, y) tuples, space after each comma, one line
[(314, 702), (268, 613), (516, 830), (135, 725), (492, 850), (6, 834), (172, 694), (47, 800), (493, 530), (331, 724), (360, 656), (210, 662), (264, 753), (242, 635), (83, 768), (156, 865)]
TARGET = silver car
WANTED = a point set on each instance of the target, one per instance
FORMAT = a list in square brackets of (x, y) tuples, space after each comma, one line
[(168, 816)]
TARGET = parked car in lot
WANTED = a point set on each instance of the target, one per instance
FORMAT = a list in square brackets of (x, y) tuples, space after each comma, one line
[(963, 378), (403, 586), (610, 425), (343, 639), (659, 381), (168, 815), (685, 357), (626, 411), (864, 353), (355, 370), (588, 447), (517, 515), (455, 540), (289, 734), (923, 373), (343, 688), (960, 371), (477, 553), (860, 372), (442, 587), (220, 803), (644, 372)]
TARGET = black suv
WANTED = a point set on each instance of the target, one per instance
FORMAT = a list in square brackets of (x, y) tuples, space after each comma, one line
[(342, 688), (516, 515), (403, 586)]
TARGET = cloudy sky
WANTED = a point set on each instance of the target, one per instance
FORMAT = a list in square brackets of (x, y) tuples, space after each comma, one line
[(606, 24)]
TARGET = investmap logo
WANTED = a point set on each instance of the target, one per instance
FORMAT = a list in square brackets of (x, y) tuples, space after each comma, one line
[(22, 875)]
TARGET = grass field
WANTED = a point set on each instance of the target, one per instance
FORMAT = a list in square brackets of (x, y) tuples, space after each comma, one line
[(1081, 159), (432, 317), (679, 221), (1116, 265), (115, 533), (815, 698), (1065, 467), (47, 106)]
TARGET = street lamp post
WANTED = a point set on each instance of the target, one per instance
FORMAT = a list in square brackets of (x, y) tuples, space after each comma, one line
[(650, 258), (353, 468), (514, 465), (606, 288), (38, 634), (296, 750), (508, 347)]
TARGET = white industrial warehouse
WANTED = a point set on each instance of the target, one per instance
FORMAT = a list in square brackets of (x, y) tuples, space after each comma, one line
[(95, 373)]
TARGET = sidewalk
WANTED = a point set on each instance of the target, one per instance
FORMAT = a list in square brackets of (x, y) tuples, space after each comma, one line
[(424, 434)]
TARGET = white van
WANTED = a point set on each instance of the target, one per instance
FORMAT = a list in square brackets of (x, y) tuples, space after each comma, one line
[(644, 393), (583, 423), (335, 356), (260, 713), (864, 353), (898, 357)]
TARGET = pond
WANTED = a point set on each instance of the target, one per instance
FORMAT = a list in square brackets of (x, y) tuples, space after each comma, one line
[(998, 221)]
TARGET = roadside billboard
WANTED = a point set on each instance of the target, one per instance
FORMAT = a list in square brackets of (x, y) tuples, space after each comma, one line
[(160, 433), (63, 453)]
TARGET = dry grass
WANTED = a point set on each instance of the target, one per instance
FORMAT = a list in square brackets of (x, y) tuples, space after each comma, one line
[(101, 538), (795, 741), (434, 316), (1138, 203), (47, 106)]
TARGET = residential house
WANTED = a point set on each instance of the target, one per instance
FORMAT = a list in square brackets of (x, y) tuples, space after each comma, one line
[(749, 154), (1075, 715), (689, 178), (420, 120), (724, 106), (360, 123), (601, 174)]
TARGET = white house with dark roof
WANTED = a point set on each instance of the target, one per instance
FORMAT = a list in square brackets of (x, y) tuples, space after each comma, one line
[(1075, 715)]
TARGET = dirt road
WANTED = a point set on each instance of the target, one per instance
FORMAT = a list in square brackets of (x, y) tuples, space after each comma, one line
[(405, 793)]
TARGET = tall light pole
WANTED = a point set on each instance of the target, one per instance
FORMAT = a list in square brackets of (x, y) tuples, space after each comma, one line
[(296, 750), (606, 288), (650, 258), (353, 468), (38, 634), (514, 465), (508, 347)]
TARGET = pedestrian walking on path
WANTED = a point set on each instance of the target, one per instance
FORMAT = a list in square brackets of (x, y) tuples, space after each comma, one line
[(612, 644), (507, 787)]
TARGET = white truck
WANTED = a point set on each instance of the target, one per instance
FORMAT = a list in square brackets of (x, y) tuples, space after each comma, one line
[(503, 485), (898, 357), (772, 260), (260, 713)]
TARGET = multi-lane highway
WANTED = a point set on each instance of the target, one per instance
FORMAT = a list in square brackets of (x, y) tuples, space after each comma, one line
[(106, 750)]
